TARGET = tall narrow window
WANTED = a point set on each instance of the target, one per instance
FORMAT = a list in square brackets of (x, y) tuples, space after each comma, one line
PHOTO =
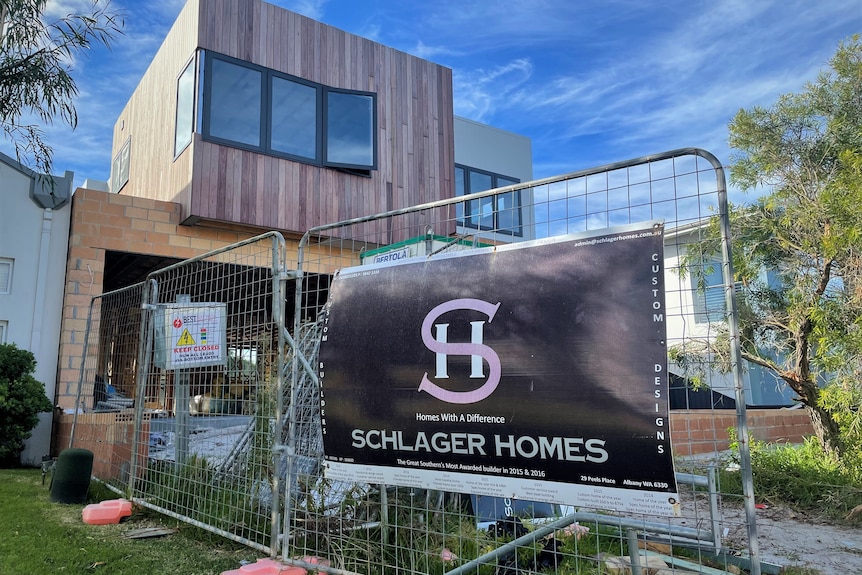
[(509, 208), (185, 109), (350, 129), (4, 327), (235, 98), (481, 212), (708, 293), (293, 118), (460, 190), (120, 167), (5, 275)]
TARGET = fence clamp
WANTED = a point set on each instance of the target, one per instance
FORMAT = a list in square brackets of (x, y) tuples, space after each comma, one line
[(149, 307), (284, 450), (291, 274)]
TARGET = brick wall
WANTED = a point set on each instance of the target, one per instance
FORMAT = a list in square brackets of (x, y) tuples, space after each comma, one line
[(704, 431), (110, 436), (103, 222)]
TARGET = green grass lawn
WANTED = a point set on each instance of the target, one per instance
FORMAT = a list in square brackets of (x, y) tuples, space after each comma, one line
[(41, 537)]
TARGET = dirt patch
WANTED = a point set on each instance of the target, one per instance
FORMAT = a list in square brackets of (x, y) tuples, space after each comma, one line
[(788, 539)]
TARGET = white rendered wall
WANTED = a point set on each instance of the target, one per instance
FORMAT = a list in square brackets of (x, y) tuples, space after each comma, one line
[(495, 150), (33, 314), (492, 149)]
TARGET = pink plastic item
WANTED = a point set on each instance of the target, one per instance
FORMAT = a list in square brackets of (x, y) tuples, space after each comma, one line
[(315, 561), (266, 567), (106, 512)]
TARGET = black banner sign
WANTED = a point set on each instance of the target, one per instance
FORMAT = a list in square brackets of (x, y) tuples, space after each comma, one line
[(534, 370)]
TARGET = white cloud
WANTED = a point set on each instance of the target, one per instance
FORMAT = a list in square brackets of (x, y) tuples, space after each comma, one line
[(55, 9), (311, 8), (481, 92), (371, 32), (426, 52)]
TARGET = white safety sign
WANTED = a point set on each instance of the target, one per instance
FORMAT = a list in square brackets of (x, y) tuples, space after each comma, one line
[(191, 335)]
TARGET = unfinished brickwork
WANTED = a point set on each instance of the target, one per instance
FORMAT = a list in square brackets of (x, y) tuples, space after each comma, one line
[(113, 222), (704, 431)]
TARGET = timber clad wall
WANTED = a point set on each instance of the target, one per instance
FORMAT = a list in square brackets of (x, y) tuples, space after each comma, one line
[(415, 133), (148, 119)]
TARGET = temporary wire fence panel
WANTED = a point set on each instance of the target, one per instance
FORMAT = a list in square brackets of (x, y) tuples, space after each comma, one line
[(515, 381), (103, 419), (364, 404), (196, 418), (214, 350)]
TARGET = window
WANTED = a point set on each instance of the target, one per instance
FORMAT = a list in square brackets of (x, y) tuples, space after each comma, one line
[(293, 118), (460, 190), (6, 275), (349, 129), (500, 213), (480, 213), (259, 109), (4, 327), (235, 98), (185, 109), (707, 287), (120, 167)]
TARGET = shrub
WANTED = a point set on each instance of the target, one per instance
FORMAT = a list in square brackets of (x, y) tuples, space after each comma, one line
[(22, 398), (800, 476)]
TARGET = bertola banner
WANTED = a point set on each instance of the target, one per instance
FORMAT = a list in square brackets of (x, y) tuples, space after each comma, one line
[(535, 371)]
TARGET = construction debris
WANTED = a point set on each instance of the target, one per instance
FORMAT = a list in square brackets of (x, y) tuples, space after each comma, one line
[(149, 532)]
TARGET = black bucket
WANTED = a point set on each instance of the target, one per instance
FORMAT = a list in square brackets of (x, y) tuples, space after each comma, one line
[(71, 478)]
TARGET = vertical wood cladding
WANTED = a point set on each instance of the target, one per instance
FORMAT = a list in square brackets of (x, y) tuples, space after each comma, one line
[(414, 125), (149, 116)]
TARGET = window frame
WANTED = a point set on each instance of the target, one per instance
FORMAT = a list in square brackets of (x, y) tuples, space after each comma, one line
[(265, 141), (318, 144), (708, 301), (190, 65), (6, 289), (463, 213), (325, 125), (4, 329), (206, 125), (120, 166)]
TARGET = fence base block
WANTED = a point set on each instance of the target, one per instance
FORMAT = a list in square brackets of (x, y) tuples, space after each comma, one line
[(106, 512), (266, 567)]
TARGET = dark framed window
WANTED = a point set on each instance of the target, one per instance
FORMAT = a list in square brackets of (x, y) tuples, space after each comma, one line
[(500, 213), (259, 109), (294, 109), (233, 108), (350, 122)]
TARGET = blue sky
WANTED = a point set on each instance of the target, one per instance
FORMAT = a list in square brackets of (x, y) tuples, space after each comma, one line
[(591, 82)]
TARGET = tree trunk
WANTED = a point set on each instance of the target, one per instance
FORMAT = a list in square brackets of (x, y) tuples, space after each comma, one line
[(826, 429)]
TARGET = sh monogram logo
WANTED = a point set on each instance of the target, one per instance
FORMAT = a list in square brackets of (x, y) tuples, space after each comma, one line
[(475, 349)]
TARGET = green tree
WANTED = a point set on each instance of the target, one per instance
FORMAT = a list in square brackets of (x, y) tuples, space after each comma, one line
[(803, 323), (22, 398), (36, 84)]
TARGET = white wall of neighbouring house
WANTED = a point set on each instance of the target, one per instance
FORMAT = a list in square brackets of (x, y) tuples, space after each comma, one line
[(34, 244), (488, 148), (505, 153)]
